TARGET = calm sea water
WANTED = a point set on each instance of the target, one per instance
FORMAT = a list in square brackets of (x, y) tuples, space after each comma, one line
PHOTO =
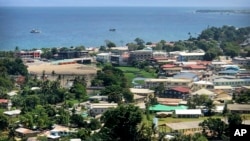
[(89, 26)]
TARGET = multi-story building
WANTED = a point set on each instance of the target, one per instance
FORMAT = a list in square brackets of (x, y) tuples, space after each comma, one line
[(140, 55), (72, 54), (119, 59), (177, 92), (103, 57), (99, 108), (185, 56), (242, 61), (159, 54), (232, 82), (119, 50), (29, 54), (170, 70), (168, 83)]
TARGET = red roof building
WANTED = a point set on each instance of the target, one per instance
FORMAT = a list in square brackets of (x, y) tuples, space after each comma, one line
[(177, 92), (4, 103), (195, 67), (181, 89), (168, 66)]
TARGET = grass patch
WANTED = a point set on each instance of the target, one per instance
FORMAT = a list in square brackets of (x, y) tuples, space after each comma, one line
[(74, 101), (140, 82), (132, 72)]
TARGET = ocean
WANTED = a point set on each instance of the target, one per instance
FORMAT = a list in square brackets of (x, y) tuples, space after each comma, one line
[(89, 26)]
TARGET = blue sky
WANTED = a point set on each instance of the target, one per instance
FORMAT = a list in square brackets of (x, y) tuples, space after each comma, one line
[(194, 3)]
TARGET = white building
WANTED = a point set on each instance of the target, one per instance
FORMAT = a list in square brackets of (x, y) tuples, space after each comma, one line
[(188, 113), (241, 61), (231, 82), (168, 82), (186, 56), (99, 108), (103, 57)]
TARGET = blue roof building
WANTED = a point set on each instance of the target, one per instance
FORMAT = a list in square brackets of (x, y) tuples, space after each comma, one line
[(187, 75), (228, 72)]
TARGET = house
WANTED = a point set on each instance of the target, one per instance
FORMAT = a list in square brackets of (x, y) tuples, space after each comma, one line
[(183, 127), (24, 132), (139, 98), (4, 103), (203, 91), (239, 108), (228, 72), (60, 131), (12, 93), (168, 82), (195, 67), (223, 97), (217, 64), (177, 92), (99, 108), (142, 92), (165, 108), (13, 113), (169, 101), (187, 75), (98, 98), (188, 113), (202, 84)]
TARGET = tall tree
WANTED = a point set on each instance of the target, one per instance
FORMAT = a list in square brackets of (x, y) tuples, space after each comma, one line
[(121, 123), (215, 126)]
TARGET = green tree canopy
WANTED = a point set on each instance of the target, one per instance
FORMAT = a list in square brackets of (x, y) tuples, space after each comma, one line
[(215, 126), (121, 123)]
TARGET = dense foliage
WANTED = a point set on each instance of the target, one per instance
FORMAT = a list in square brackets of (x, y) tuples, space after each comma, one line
[(121, 123), (116, 87)]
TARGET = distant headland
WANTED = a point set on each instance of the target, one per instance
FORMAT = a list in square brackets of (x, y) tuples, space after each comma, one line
[(224, 11)]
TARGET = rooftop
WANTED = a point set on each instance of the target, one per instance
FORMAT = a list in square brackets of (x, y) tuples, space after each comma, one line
[(141, 91), (229, 71), (238, 107), (181, 89), (168, 66), (13, 112), (24, 131), (167, 80), (183, 125), (160, 107), (203, 92), (103, 105), (136, 96), (203, 83), (3, 101), (191, 54), (58, 128), (223, 87), (188, 112)]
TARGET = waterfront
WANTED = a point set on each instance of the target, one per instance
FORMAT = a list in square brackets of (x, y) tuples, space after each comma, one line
[(89, 26)]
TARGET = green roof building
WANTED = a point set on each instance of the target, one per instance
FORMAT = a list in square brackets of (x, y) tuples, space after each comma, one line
[(164, 108)]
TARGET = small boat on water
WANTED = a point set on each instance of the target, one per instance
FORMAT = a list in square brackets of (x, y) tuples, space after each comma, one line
[(112, 29), (35, 31)]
